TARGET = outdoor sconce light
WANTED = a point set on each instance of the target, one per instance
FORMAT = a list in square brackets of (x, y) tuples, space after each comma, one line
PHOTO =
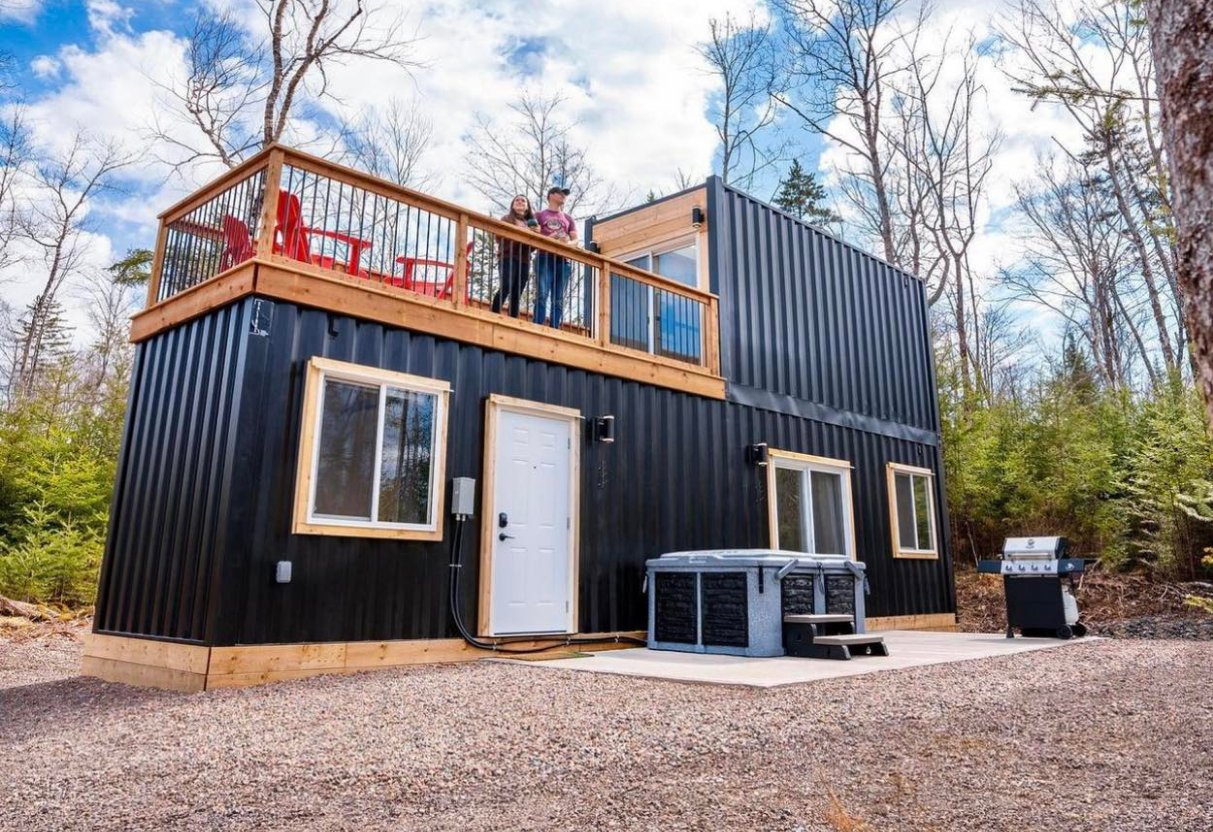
[(592, 246), (604, 429), (757, 454), (696, 217)]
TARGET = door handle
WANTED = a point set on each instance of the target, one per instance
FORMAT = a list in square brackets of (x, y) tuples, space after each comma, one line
[(504, 536)]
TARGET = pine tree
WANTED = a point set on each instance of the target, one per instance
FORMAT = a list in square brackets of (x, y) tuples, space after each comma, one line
[(801, 195)]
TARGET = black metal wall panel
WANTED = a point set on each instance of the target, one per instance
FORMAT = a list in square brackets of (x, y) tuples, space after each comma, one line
[(202, 507), (804, 315), (165, 537), (675, 478)]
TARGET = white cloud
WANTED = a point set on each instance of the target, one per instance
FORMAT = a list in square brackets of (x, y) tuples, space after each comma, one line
[(21, 11), (45, 67)]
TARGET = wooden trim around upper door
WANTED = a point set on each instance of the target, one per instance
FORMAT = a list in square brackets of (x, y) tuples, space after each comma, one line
[(493, 405)]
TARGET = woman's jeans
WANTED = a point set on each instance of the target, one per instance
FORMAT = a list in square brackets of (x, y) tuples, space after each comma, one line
[(551, 273), (514, 275)]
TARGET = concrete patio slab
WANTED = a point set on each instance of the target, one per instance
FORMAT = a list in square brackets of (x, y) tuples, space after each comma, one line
[(906, 648)]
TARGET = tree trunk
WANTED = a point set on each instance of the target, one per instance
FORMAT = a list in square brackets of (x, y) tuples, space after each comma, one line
[(1143, 256), (1180, 34)]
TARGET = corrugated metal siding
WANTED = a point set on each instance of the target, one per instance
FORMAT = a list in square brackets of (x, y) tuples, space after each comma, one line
[(164, 538), (805, 315), (204, 494), (675, 478)]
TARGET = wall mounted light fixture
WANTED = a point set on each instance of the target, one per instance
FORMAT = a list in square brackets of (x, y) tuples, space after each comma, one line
[(757, 454), (604, 429), (696, 217)]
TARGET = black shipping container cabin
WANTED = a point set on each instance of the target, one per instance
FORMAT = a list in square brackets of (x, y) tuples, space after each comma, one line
[(320, 358)]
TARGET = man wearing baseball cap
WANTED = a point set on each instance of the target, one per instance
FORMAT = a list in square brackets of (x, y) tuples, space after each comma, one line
[(552, 270)]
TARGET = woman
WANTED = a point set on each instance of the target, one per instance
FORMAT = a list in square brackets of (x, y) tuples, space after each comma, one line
[(513, 257)]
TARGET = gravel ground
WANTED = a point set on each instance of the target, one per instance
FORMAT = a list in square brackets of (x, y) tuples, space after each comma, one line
[(36, 654), (1102, 735), (1158, 626)]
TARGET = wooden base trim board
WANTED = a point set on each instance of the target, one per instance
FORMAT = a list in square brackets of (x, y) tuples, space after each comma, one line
[(146, 663), (191, 668), (940, 622)]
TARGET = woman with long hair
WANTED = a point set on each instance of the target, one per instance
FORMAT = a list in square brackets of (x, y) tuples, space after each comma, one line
[(514, 257)]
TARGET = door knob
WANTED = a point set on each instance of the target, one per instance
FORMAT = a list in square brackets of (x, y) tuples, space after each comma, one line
[(504, 536)]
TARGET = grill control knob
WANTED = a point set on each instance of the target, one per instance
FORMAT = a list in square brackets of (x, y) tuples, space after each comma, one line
[(1035, 567), (1023, 568)]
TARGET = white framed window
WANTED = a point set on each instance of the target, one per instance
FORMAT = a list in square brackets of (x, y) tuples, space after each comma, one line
[(810, 506), (372, 453), (912, 511)]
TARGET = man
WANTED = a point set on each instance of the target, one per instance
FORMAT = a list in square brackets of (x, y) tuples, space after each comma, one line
[(552, 270)]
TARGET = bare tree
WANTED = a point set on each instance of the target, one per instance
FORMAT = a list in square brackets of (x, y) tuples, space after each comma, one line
[(840, 57), (56, 223), (1074, 264), (392, 145), (1107, 97), (242, 89), (15, 152), (531, 152), (1181, 34), (739, 54), (108, 304), (940, 164)]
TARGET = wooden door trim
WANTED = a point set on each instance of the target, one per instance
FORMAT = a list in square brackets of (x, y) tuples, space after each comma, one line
[(493, 406)]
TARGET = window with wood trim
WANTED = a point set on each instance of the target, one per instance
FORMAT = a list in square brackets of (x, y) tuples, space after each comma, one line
[(810, 504), (372, 453), (912, 511)]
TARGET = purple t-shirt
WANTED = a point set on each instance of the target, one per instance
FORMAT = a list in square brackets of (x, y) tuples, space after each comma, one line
[(556, 224)]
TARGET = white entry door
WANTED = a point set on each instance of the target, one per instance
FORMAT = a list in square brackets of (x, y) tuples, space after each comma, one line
[(532, 523)]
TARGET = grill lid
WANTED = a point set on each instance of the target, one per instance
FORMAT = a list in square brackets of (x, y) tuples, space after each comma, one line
[(1035, 548)]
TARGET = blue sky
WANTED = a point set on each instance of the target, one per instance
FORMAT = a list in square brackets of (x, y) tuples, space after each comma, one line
[(628, 70)]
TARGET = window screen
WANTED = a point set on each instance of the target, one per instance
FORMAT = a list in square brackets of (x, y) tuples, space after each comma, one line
[(788, 511), (404, 471), (829, 526), (345, 465)]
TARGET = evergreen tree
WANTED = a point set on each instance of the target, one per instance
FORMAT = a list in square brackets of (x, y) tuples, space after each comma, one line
[(801, 195)]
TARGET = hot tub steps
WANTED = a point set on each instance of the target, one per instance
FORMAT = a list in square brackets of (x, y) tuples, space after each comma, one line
[(830, 618), (846, 646)]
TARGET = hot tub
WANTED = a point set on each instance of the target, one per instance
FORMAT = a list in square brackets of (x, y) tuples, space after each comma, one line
[(733, 601)]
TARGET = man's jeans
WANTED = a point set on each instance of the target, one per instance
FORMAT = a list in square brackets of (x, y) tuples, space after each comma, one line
[(551, 275)]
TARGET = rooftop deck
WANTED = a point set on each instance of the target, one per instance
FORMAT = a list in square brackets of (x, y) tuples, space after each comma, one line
[(293, 227)]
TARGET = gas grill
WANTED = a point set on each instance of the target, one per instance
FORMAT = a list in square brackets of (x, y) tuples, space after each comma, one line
[(1038, 604)]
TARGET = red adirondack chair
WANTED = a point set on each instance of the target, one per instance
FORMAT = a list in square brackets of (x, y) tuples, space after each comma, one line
[(430, 287), (237, 242), (291, 237)]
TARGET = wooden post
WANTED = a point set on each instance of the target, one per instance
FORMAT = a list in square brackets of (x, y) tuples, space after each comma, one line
[(604, 302), (459, 290), (269, 208), (153, 279), (711, 335)]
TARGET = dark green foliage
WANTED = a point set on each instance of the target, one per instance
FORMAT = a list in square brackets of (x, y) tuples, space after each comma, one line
[(802, 196), (134, 269), (1125, 477)]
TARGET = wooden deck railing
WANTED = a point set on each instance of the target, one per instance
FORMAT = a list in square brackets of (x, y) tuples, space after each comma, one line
[(301, 212)]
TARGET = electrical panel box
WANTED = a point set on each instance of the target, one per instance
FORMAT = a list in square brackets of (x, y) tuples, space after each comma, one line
[(463, 496)]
